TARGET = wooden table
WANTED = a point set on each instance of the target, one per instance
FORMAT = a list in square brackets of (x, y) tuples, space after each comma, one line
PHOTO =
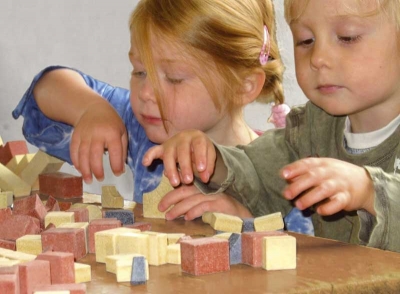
[(323, 266)]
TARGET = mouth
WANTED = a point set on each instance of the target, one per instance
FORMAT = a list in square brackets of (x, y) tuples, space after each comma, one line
[(328, 89), (153, 120)]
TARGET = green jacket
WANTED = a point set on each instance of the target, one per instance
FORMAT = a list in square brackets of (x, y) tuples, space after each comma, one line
[(253, 176)]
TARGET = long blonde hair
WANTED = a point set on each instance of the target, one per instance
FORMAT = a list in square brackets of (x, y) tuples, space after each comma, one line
[(227, 33)]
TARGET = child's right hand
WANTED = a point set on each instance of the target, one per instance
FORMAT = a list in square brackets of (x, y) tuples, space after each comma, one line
[(98, 129), (187, 153)]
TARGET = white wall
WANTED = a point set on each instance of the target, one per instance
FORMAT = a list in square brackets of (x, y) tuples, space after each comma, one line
[(91, 35)]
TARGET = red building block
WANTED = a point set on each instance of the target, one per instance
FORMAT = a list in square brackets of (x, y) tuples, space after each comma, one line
[(8, 244), (65, 240), (61, 266), (32, 274), (81, 214), (61, 185), (31, 206), (52, 204), (98, 225), (5, 213), (72, 288), (205, 256), (64, 206), (252, 246), (142, 226), (9, 280), (19, 225), (12, 148)]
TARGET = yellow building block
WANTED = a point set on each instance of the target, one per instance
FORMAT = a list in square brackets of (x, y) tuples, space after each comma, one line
[(59, 217), (79, 225), (15, 255), (24, 162), (11, 182), (158, 243), (128, 243), (1, 141), (111, 261), (12, 165), (224, 236), (31, 244), (83, 272), (174, 253), (110, 197), (270, 222), (207, 217), (94, 210), (106, 242), (6, 199), (5, 262), (153, 198), (226, 223), (124, 270), (173, 238), (279, 252)]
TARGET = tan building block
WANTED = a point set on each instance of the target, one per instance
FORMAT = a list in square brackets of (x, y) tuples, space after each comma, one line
[(12, 165), (111, 261), (6, 199), (174, 253), (279, 252), (31, 244), (15, 255), (270, 222), (79, 225), (124, 270), (111, 198), (11, 182), (158, 243), (1, 141), (40, 163), (224, 236), (59, 217), (106, 242), (128, 243), (83, 272), (153, 198), (5, 262), (226, 223), (94, 210), (174, 238), (24, 162), (207, 217)]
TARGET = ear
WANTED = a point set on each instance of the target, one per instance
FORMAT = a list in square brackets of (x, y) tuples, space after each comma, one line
[(252, 86)]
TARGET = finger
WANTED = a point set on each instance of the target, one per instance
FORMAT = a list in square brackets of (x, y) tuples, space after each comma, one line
[(333, 204), (115, 154), (74, 150), (176, 196), (184, 206), (204, 158), (298, 168), (317, 194), (184, 159), (84, 162), (153, 153), (96, 160), (124, 148), (199, 209), (170, 159)]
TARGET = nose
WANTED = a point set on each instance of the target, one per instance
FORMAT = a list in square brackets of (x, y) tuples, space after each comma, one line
[(146, 91), (321, 56)]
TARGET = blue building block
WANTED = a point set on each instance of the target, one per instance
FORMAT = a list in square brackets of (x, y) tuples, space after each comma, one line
[(138, 270), (248, 225), (125, 216), (235, 248)]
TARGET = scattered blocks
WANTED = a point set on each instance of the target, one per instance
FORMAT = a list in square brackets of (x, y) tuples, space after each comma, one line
[(17, 226), (58, 217), (153, 198), (111, 198), (270, 222), (98, 225), (204, 256), (31, 244), (61, 185), (279, 252), (61, 266), (226, 223), (125, 216), (83, 272), (11, 182), (65, 240), (31, 206), (12, 148)]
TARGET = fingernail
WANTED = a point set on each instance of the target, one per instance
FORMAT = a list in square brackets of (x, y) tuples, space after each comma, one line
[(285, 173)]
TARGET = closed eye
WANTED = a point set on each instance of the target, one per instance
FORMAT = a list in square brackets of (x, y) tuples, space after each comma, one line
[(306, 42), (349, 39)]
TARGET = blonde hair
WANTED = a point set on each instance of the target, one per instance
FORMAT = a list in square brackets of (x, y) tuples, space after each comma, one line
[(388, 8), (226, 33)]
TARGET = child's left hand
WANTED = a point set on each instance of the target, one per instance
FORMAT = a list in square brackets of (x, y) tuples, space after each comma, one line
[(330, 184), (190, 202)]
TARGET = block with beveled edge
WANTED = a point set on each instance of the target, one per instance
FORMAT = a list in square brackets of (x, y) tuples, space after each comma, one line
[(279, 252)]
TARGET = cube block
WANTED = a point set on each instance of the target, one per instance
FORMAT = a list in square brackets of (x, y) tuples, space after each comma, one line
[(61, 185)]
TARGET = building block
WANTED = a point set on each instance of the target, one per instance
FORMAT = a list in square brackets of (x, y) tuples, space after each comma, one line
[(270, 222), (153, 198), (52, 204), (40, 163), (12, 165), (32, 274), (81, 214), (204, 256), (61, 185), (125, 216), (252, 246), (62, 270), (98, 225), (173, 238), (207, 217), (183, 239), (105, 242), (248, 225), (111, 198), (64, 206), (1, 142), (11, 182), (235, 246), (5, 213), (83, 272), (157, 249), (23, 163), (71, 288), (112, 260), (6, 199), (31, 244), (59, 217), (15, 255), (174, 253), (94, 210), (65, 240), (128, 243), (79, 225), (17, 226), (8, 244), (9, 280), (139, 270), (12, 148), (279, 253), (124, 270), (142, 226), (31, 206), (5, 262), (226, 223)]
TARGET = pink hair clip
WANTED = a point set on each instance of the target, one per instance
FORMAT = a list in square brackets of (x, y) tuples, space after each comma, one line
[(264, 54)]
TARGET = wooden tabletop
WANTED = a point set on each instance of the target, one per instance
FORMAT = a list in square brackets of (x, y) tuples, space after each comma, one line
[(323, 266)]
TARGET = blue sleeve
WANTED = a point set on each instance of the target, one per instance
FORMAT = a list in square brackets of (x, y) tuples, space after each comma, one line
[(51, 136)]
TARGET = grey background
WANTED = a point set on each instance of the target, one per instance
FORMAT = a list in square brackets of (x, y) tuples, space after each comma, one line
[(91, 35)]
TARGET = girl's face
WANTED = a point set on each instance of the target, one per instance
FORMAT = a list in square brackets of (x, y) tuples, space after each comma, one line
[(348, 64), (186, 102)]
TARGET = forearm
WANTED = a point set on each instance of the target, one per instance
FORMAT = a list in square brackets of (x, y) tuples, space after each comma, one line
[(63, 95)]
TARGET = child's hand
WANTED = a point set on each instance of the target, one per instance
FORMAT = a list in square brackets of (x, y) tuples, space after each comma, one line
[(191, 150), (190, 202), (99, 128), (333, 185)]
